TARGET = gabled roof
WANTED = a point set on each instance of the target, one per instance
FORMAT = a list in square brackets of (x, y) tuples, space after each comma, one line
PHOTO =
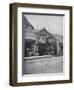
[(27, 23), (43, 32)]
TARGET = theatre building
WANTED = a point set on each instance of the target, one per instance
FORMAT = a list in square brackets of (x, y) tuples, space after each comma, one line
[(39, 42)]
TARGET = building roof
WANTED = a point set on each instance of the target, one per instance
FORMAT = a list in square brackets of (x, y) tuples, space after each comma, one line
[(59, 38), (27, 23), (44, 32)]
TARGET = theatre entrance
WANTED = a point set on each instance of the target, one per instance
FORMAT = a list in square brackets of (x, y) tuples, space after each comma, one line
[(29, 48)]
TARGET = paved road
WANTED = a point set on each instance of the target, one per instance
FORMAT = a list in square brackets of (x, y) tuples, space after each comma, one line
[(46, 65)]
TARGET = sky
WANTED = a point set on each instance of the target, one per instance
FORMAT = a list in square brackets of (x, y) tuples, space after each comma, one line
[(53, 23)]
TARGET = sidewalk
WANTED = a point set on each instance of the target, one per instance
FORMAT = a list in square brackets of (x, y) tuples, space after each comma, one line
[(37, 57)]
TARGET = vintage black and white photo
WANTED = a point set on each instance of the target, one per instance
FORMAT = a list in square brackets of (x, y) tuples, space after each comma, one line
[(42, 43)]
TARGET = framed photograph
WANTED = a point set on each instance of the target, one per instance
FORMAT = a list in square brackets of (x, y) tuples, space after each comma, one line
[(40, 44)]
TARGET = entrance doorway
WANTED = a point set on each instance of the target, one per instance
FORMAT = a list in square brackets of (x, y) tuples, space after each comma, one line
[(29, 48)]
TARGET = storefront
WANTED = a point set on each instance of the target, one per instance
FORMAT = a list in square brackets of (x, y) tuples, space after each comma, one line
[(29, 47)]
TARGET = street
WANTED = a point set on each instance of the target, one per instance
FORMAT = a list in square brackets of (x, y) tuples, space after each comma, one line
[(44, 65)]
